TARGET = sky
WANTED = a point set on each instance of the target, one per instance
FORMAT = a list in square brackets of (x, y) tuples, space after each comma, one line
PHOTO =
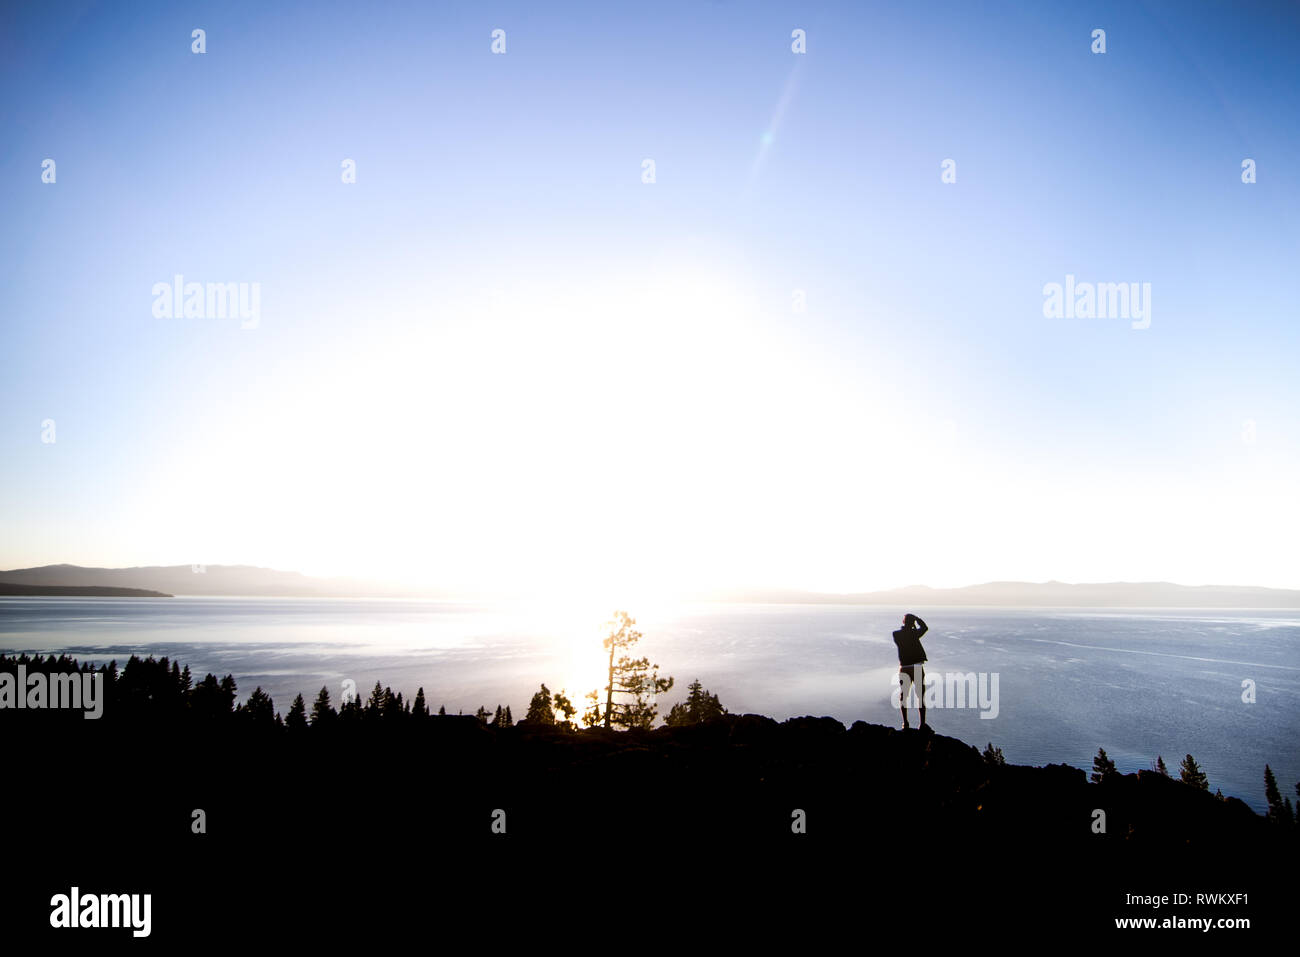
[(502, 359)]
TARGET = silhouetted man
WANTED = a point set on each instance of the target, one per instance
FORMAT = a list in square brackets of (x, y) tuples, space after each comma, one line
[(911, 658)]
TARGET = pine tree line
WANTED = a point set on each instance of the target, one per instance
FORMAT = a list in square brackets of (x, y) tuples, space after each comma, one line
[(1280, 809), (159, 688)]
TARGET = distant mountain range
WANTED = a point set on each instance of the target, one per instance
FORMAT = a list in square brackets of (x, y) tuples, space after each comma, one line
[(1039, 594), (248, 580)]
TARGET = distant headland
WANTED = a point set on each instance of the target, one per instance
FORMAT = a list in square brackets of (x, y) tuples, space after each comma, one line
[(12, 590)]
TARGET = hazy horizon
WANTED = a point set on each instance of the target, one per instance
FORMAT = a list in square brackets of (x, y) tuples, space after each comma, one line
[(244, 580)]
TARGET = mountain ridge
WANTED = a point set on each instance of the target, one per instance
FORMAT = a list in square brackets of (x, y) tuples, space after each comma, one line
[(255, 581)]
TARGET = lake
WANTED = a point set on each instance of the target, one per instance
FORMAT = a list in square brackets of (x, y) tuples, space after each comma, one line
[(1138, 682)]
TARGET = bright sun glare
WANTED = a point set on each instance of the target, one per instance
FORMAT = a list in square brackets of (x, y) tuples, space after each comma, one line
[(546, 440)]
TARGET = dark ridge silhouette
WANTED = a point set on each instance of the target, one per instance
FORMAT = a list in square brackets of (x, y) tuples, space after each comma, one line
[(759, 768), (12, 589), (327, 787)]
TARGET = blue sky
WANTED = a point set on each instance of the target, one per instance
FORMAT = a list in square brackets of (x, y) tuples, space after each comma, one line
[(499, 357)]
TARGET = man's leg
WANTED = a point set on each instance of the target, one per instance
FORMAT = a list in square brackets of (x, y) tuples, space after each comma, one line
[(905, 680), (920, 694)]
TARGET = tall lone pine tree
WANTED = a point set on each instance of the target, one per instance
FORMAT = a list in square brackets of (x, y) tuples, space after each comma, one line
[(634, 677)]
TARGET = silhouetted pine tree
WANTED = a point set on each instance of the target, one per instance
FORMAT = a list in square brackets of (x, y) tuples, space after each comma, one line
[(482, 715), (351, 712), (228, 690), (539, 708), (1103, 767), (442, 710), (296, 720), (1160, 766), (698, 707), (1191, 773), (258, 710), (419, 709), (375, 706), (322, 713), (993, 756), (509, 720), (1278, 812), (207, 700)]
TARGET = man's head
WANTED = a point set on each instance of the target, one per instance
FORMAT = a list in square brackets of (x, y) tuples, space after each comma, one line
[(909, 620)]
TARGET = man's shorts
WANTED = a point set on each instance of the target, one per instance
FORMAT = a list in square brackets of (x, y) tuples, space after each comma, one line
[(912, 678)]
